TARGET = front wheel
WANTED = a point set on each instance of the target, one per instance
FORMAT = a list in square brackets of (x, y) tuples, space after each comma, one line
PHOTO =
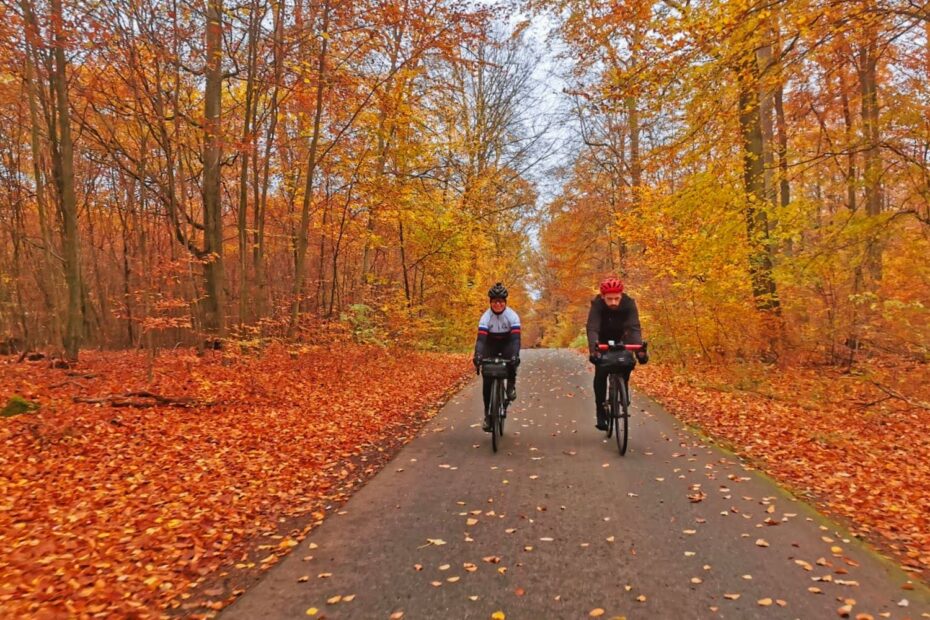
[(502, 399), (623, 419), (494, 413), (609, 408)]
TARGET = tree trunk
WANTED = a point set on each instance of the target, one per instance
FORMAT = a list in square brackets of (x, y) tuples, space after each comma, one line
[(214, 280), (245, 152), (50, 282), (851, 172), (66, 196), (760, 258), (867, 66), (302, 233)]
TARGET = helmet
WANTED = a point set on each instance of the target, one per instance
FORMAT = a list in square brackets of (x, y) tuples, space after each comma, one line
[(611, 284), (498, 291)]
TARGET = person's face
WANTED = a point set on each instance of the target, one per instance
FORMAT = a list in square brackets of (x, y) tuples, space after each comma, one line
[(612, 300), (498, 305)]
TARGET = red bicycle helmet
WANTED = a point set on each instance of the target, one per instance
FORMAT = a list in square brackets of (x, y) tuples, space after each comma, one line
[(611, 284)]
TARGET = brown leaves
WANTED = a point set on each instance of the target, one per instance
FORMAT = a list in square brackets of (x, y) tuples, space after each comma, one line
[(197, 484), (806, 428)]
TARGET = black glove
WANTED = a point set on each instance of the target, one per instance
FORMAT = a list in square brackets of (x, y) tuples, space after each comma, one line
[(642, 357), (515, 361), (477, 362), (594, 358)]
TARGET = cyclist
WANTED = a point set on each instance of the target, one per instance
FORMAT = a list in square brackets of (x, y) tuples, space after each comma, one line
[(613, 316), (498, 336)]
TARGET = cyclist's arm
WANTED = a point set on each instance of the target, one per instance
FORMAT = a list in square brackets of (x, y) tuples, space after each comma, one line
[(515, 334), (482, 335), (593, 326), (633, 332)]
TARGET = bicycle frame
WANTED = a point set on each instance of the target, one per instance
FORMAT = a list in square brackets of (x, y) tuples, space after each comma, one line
[(619, 396), (497, 369)]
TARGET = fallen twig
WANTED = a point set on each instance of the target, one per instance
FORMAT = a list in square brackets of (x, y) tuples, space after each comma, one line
[(134, 399), (893, 393)]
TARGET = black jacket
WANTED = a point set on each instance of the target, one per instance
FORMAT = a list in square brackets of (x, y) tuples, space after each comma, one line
[(618, 325)]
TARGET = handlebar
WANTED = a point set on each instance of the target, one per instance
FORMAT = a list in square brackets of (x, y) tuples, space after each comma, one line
[(619, 346)]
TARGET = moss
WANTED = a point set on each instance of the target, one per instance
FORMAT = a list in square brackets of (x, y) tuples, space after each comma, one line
[(17, 405)]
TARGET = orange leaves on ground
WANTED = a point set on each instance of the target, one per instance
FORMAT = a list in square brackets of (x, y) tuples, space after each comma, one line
[(820, 432), (133, 506)]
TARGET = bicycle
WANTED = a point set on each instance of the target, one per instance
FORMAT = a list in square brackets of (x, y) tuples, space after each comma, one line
[(496, 369), (619, 361)]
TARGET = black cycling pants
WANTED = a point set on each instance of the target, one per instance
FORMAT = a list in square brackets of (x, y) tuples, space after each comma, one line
[(600, 384)]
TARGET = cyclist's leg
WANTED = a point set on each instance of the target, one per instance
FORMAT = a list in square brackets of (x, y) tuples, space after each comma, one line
[(600, 395), (486, 393), (509, 353)]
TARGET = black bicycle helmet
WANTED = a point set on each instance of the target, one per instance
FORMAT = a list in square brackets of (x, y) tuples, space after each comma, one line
[(498, 291)]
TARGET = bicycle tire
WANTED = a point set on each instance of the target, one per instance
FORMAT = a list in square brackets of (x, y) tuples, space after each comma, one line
[(493, 411), (502, 398), (623, 421), (608, 415)]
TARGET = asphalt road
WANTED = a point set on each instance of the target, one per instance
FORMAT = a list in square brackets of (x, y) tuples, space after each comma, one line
[(558, 525)]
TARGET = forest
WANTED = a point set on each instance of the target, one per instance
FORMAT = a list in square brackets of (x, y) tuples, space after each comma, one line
[(212, 206)]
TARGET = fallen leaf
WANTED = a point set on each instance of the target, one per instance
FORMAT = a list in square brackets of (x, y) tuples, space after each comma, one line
[(731, 597), (764, 602), (312, 611), (597, 612), (761, 542)]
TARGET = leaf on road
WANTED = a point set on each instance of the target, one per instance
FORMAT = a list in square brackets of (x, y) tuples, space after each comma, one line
[(596, 612)]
